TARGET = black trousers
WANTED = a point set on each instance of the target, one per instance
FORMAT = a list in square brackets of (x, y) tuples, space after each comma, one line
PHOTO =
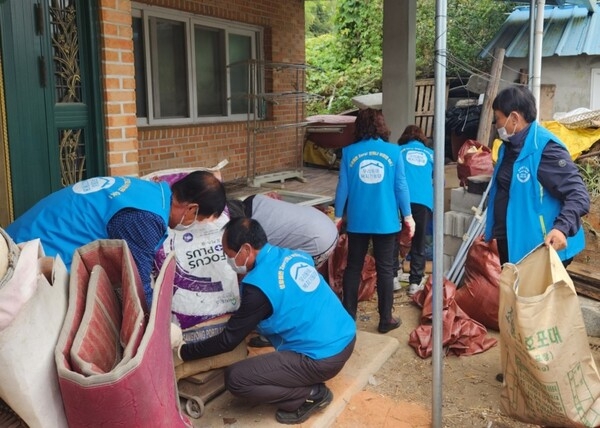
[(421, 215), (383, 251), (285, 377)]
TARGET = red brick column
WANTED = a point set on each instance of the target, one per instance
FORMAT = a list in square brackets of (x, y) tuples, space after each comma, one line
[(118, 82)]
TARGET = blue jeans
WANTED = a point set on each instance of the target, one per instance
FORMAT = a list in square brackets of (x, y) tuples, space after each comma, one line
[(383, 251)]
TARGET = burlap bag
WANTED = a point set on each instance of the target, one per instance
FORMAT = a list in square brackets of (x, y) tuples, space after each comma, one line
[(550, 377)]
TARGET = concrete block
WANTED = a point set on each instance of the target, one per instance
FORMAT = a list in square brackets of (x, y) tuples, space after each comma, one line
[(448, 261), (463, 201), (451, 176), (449, 222), (452, 244), (456, 223), (463, 224), (447, 194), (590, 309)]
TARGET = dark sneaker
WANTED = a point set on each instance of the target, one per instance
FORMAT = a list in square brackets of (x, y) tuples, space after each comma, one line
[(393, 324), (322, 398), (259, 342)]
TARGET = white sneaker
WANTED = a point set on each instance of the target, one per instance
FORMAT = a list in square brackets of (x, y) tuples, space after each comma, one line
[(403, 277), (413, 288), (397, 285)]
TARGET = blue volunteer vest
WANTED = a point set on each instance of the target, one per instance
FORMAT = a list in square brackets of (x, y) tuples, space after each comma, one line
[(418, 167), (372, 187), (76, 215), (531, 211), (308, 318)]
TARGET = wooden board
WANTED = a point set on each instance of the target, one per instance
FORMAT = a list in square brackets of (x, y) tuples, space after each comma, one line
[(586, 279), (428, 266)]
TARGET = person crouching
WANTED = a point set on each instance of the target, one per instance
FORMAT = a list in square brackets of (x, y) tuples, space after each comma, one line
[(288, 301)]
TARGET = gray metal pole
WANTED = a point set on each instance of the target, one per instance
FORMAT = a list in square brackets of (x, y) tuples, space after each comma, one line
[(441, 20), (531, 43), (537, 53)]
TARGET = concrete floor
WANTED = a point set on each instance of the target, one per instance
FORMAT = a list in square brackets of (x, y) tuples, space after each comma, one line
[(370, 353)]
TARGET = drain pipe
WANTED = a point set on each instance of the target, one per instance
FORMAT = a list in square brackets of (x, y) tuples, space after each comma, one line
[(531, 43), (537, 53), (441, 21)]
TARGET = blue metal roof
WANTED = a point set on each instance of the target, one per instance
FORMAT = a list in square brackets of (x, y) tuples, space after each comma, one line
[(568, 31), (584, 3)]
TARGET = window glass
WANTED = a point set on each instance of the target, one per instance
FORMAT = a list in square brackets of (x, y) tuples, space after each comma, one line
[(140, 74), (183, 71), (210, 72), (170, 81), (240, 49)]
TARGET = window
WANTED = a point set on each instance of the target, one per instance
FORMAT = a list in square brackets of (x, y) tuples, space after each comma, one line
[(191, 69)]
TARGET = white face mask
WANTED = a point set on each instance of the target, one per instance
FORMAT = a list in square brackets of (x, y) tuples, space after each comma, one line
[(503, 133), (182, 226), (237, 269)]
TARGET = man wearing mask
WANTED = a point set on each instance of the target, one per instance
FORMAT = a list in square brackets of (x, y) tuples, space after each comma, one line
[(285, 299), (537, 193), (129, 208)]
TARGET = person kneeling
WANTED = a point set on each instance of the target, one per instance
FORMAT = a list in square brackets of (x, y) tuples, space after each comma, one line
[(288, 301)]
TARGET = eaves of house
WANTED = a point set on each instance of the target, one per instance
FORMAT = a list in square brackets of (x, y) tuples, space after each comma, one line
[(569, 30)]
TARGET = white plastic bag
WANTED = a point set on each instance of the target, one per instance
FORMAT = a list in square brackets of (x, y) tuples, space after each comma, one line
[(32, 312)]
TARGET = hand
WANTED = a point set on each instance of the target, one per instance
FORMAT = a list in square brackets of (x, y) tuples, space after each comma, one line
[(176, 336), (409, 222), (556, 239), (338, 222), (177, 361), (176, 344)]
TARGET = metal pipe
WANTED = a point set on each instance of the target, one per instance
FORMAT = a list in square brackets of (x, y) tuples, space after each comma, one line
[(475, 230), (478, 213), (537, 58), (438, 203), (531, 43)]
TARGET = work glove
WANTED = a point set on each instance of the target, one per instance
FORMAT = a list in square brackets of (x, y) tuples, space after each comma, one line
[(176, 343), (409, 223), (338, 223)]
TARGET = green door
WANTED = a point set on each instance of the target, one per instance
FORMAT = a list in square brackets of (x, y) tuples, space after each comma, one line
[(52, 96)]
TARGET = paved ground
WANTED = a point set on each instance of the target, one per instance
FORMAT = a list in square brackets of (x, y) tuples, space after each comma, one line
[(371, 351)]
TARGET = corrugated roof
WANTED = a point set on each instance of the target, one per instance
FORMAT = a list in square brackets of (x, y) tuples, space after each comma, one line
[(568, 31), (584, 3)]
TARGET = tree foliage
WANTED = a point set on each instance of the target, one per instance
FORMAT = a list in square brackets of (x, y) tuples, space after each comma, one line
[(471, 24), (318, 17), (348, 57)]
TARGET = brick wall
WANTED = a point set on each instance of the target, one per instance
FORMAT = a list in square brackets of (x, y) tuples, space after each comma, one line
[(142, 150), (117, 72)]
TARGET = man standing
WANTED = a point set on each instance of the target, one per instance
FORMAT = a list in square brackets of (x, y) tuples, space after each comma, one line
[(285, 299)]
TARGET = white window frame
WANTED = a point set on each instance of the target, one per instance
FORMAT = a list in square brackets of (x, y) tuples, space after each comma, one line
[(190, 21)]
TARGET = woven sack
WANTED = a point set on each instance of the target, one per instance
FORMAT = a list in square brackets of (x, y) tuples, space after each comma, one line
[(550, 377)]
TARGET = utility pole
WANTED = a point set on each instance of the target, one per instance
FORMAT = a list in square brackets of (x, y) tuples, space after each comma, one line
[(484, 129)]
